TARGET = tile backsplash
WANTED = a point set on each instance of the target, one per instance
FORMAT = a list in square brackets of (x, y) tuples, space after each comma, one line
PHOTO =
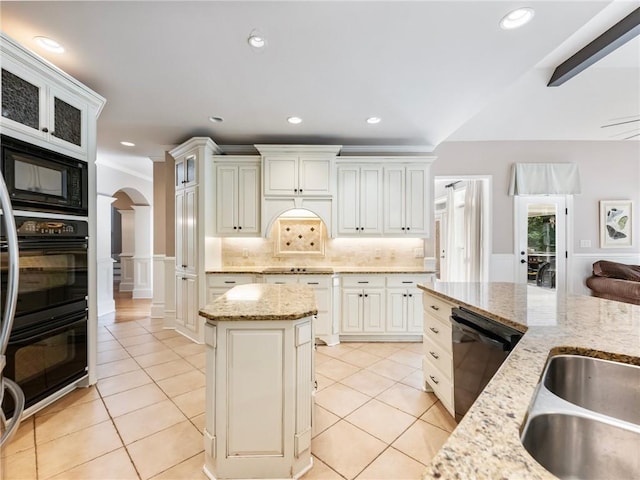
[(338, 252)]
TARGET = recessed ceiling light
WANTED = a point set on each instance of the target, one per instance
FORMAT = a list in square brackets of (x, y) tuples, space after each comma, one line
[(216, 119), (517, 18), (49, 44), (373, 120), (256, 39), (128, 144), (294, 120)]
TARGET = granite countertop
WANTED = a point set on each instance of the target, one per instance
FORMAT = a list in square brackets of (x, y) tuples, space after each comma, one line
[(319, 270), (486, 443), (262, 301)]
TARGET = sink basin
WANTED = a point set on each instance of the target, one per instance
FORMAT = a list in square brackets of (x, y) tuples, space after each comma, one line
[(606, 387), (576, 447)]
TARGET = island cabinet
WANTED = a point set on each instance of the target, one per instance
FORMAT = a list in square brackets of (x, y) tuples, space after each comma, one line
[(437, 365), (259, 382)]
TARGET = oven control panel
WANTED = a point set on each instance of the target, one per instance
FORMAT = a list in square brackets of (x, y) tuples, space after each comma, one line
[(41, 227)]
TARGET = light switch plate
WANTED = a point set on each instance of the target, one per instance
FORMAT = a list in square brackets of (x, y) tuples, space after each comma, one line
[(585, 243)]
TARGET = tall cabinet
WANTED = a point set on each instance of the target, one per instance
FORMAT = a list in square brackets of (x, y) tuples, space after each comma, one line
[(194, 204)]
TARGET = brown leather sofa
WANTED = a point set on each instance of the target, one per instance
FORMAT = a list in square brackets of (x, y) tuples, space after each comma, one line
[(615, 281)]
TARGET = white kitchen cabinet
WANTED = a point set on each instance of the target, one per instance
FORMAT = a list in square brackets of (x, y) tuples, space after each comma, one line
[(407, 199), (437, 364), (359, 200), (324, 327), (187, 230), (363, 305), (219, 283), (237, 196), (186, 174), (37, 109), (186, 298), (404, 303)]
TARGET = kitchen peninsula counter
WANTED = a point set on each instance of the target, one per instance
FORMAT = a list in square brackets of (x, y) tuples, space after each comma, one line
[(486, 443)]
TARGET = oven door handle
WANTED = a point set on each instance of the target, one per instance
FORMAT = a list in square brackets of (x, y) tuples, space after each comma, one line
[(49, 327), (64, 245)]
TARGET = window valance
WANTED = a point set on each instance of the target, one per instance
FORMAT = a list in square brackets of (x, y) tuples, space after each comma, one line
[(544, 179)]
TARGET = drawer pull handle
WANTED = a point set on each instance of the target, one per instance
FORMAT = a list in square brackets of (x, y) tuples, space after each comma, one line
[(434, 330), (435, 308), (229, 281), (434, 355), (410, 281), (364, 282), (313, 283), (434, 379)]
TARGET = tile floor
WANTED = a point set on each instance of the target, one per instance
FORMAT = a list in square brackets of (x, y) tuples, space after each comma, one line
[(145, 416)]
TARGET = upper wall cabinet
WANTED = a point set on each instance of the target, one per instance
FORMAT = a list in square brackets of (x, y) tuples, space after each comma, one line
[(359, 199), (36, 109), (298, 170), (237, 195), (186, 171), (407, 199)]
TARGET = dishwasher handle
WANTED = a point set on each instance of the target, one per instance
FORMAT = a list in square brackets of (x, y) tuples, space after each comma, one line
[(480, 334)]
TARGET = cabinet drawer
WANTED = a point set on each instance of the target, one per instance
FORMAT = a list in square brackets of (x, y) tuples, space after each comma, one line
[(439, 356), (229, 281), (408, 281), (364, 282), (442, 386), (437, 331), (437, 307), (315, 281)]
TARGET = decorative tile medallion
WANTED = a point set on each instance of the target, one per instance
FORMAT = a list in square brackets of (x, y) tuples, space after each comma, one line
[(297, 236)]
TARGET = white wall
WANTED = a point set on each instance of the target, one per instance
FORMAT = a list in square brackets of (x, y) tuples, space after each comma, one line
[(608, 170)]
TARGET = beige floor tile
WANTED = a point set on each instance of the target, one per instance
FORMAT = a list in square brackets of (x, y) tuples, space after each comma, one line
[(381, 420), (406, 357), (120, 327), (199, 421), (393, 370), (336, 369), (134, 331), (112, 355), (359, 358), (189, 350), (156, 358), (165, 334), (69, 420), (421, 441), (320, 471), (439, 416), (145, 348), (323, 382), (74, 397), (393, 465), (137, 340), (116, 368), (346, 449), (104, 335), (415, 380), (169, 369), (155, 327), (199, 360), (114, 465), (182, 383), (320, 358), (121, 383), (322, 419), (161, 451), (415, 347), (77, 448), (108, 345), (190, 469), (340, 399), (408, 399), (191, 403), (177, 341), (368, 383), (23, 439), (20, 466), (147, 421), (133, 399), (380, 349), (336, 351)]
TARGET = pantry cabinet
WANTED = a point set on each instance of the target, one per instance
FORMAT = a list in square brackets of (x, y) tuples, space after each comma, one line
[(407, 200), (36, 108), (359, 200), (237, 196)]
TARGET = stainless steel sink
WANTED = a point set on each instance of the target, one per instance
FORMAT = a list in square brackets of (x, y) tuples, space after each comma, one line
[(575, 447), (610, 388), (583, 420)]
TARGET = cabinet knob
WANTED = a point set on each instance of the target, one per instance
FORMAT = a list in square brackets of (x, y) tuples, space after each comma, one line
[(300, 190), (45, 129), (404, 294), (523, 261), (433, 354), (435, 307), (235, 228), (408, 228), (434, 330), (366, 294), (434, 379), (184, 266), (411, 294), (402, 228), (295, 190), (239, 228), (360, 295)]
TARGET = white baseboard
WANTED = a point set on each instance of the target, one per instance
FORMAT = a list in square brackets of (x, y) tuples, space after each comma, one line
[(126, 287), (142, 293)]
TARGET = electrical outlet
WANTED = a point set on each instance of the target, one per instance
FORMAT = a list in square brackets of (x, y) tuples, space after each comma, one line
[(245, 253), (418, 252)]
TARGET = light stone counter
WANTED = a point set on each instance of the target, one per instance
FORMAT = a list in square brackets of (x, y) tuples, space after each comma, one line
[(486, 443), (320, 270), (262, 301)]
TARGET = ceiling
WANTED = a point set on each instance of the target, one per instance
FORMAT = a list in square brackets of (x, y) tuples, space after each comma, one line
[(434, 71)]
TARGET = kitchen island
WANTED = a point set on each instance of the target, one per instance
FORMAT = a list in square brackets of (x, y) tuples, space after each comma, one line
[(259, 382), (486, 443)]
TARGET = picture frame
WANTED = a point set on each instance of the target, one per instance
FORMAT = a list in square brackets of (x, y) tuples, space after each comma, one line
[(616, 223)]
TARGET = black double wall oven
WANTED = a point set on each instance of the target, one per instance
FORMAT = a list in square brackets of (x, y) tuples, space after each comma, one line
[(47, 349)]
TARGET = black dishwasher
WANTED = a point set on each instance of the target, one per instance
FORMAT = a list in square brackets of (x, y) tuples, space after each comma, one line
[(480, 345)]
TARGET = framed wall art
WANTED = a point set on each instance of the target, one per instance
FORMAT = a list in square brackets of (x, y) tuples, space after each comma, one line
[(616, 223)]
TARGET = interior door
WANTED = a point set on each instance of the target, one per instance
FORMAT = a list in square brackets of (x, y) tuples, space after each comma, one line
[(541, 241)]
